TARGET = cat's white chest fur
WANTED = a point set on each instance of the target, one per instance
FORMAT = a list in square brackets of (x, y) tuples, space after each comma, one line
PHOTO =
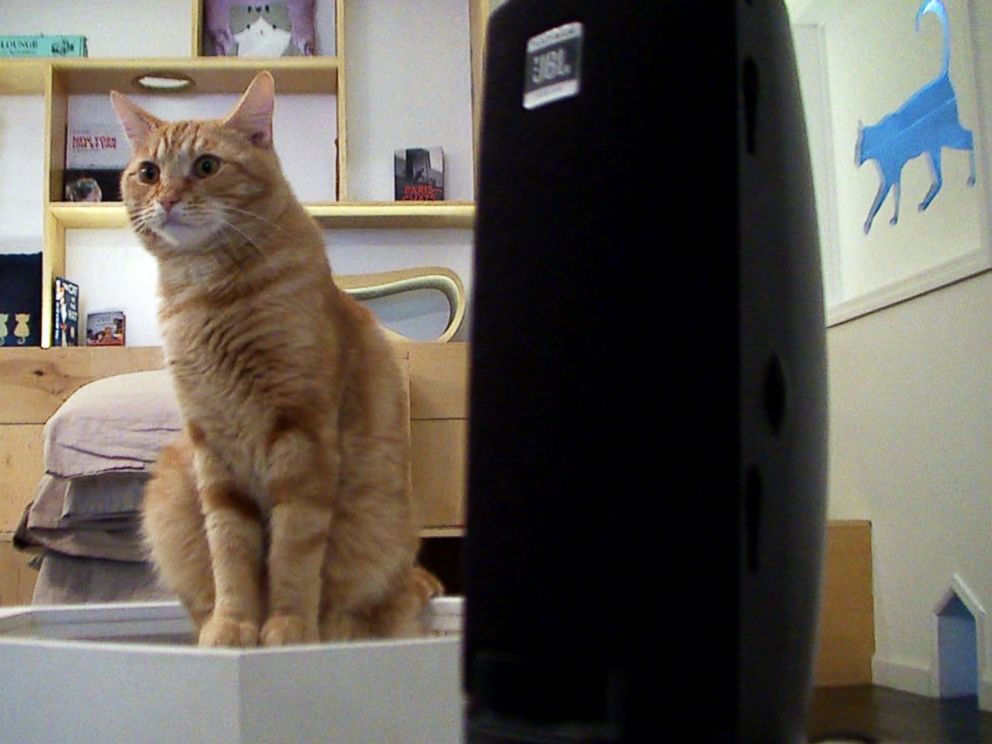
[(261, 39)]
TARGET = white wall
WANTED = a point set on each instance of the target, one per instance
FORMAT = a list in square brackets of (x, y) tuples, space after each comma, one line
[(136, 28), (409, 83), (911, 435), (22, 135)]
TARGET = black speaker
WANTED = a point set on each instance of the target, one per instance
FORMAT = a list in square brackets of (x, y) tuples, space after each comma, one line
[(647, 446)]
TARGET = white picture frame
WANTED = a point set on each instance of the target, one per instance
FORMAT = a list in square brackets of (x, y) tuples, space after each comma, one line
[(863, 61)]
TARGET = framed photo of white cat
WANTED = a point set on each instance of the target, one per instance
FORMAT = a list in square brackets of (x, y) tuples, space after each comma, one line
[(894, 122), (256, 28)]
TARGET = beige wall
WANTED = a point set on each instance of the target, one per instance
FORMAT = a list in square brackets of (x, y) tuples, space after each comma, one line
[(911, 441), (911, 450)]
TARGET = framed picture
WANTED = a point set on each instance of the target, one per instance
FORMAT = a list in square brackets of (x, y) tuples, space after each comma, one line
[(247, 28), (893, 120)]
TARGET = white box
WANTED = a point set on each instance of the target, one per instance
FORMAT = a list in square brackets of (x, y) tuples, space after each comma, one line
[(128, 674)]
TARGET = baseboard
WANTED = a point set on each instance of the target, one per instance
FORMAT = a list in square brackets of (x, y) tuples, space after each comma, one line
[(901, 675), (917, 679)]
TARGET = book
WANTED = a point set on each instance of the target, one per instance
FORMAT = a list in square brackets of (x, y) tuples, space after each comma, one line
[(65, 318), (43, 46), (96, 153), (105, 329), (419, 174), (20, 299)]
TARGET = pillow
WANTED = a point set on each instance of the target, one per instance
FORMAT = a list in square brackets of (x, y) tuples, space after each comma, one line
[(65, 502), (117, 424), (93, 517)]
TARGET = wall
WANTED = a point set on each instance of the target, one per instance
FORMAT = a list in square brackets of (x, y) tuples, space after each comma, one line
[(911, 438)]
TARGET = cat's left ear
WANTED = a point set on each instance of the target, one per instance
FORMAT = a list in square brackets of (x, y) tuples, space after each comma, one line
[(253, 114), (137, 122)]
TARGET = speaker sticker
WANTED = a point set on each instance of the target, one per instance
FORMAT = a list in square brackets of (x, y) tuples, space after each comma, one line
[(554, 64)]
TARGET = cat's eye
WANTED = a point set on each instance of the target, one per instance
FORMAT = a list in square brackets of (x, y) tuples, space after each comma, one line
[(148, 173), (206, 166)]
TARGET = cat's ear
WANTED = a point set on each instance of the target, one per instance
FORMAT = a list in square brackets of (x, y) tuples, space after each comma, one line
[(137, 122), (253, 114)]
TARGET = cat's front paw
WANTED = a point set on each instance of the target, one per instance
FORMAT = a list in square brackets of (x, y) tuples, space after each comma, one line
[(285, 630), (223, 631)]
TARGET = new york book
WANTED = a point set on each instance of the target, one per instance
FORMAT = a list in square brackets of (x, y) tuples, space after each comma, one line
[(65, 328), (96, 153), (419, 174), (105, 329)]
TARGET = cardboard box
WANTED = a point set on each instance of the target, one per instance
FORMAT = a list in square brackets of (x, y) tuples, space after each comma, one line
[(128, 673)]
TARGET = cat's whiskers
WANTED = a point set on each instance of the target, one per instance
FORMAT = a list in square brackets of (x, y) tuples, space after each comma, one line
[(248, 241), (228, 208), (140, 218)]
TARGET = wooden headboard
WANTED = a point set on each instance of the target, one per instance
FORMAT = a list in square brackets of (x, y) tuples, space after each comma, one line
[(34, 383)]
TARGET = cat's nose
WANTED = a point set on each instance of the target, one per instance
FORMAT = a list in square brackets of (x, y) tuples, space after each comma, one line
[(168, 202)]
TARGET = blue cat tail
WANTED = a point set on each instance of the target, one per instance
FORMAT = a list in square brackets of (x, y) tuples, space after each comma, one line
[(937, 8)]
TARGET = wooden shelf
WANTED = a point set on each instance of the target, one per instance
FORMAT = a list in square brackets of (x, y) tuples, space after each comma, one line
[(23, 76), (339, 215), (209, 74), (399, 215), (72, 216)]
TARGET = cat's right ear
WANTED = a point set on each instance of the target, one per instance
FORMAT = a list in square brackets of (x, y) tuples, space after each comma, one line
[(253, 114), (137, 122)]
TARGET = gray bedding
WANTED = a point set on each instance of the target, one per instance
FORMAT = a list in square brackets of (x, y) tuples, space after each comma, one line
[(84, 519)]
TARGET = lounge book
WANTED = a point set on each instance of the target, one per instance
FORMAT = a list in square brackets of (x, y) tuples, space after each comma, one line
[(42, 46)]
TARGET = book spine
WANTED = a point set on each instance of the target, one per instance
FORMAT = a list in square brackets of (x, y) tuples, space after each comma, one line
[(57, 337), (43, 46)]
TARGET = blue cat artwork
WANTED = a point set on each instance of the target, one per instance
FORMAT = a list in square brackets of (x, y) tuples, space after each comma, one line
[(924, 125)]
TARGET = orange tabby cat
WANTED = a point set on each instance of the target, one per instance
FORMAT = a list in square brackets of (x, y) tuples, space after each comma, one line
[(283, 513)]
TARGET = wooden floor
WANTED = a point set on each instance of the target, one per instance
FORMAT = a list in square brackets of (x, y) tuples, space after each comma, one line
[(879, 714)]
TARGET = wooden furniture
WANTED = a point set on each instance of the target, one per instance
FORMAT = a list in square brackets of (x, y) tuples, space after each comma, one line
[(58, 79), (36, 382)]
